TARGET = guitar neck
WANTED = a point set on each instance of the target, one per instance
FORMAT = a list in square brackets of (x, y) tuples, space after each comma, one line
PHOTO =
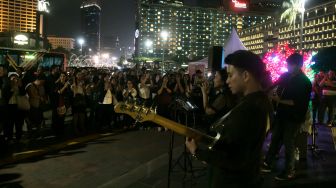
[(183, 130)]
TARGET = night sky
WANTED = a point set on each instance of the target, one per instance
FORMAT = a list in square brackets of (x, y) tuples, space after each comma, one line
[(117, 18)]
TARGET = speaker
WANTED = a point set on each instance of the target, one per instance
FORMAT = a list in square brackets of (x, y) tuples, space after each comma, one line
[(216, 58)]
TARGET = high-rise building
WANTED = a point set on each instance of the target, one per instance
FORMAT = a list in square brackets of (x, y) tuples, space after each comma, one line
[(18, 16), (191, 30), (91, 19), (64, 42), (319, 31), (22, 23)]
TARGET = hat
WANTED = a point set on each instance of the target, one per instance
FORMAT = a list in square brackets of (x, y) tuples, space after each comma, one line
[(248, 61), (10, 74)]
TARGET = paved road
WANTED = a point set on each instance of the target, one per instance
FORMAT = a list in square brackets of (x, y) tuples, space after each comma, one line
[(112, 161), (138, 159)]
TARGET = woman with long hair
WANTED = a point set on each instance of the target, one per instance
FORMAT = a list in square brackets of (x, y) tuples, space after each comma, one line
[(79, 104), (62, 90), (218, 100)]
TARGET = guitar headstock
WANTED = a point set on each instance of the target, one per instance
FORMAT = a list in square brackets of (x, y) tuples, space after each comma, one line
[(137, 112)]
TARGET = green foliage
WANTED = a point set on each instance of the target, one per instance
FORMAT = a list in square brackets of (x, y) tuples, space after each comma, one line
[(293, 8)]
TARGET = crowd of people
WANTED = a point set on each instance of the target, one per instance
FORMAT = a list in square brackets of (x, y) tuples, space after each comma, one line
[(241, 96), (324, 97), (89, 95)]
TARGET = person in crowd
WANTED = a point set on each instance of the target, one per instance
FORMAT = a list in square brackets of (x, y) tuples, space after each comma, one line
[(130, 94), (43, 91), (196, 92), (292, 97), (119, 85), (3, 83), (179, 88), (317, 95), (328, 99), (106, 103), (155, 84), (220, 101), (234, 160), (14, 116), (164, 98), (92, 97), (187, 83), (61, 103), (144, 90), (35, 116), (79, 104), (145, 95)]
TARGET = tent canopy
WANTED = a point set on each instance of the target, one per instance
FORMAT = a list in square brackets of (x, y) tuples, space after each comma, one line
[(233, 43)]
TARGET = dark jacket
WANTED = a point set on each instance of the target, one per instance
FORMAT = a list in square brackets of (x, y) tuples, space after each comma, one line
[(236, 157)]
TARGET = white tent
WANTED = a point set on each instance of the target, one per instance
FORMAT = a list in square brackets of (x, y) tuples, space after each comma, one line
[(200, 62), (233, 43), (201, 65)]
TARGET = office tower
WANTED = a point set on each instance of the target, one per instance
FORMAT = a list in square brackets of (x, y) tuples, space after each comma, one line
[(91, 20)]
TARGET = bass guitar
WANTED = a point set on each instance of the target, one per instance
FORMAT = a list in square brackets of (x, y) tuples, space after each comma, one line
[(142, 114)]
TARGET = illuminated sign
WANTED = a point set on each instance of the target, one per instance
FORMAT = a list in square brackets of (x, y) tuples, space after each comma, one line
[(43, 6), (21, 39), (238, 4)]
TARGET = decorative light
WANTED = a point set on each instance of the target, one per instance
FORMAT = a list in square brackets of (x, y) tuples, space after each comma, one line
[(42, 6), (106, 55), (275, 61)]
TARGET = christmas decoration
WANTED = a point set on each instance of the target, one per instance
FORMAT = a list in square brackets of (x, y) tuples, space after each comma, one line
[(276, 64)]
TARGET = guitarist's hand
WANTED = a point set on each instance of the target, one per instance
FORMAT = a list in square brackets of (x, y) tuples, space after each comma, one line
[(191, 145)]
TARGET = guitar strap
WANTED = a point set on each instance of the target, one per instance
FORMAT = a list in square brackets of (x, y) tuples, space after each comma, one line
[(219, 123)]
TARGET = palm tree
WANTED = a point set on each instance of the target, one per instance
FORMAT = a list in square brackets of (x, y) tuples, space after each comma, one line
[(293, 8)]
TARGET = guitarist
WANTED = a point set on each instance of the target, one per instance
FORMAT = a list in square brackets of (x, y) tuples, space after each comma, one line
[(293, 101), (234, 160)]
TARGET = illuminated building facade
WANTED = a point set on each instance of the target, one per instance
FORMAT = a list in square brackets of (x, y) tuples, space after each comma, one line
[(66, 43), (319, 31), (22, 24), (191, 30), (91, 20), (18, 16)]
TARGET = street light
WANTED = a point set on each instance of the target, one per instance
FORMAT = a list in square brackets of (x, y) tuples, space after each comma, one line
[(302, 20), (164, 36), (81, 41)]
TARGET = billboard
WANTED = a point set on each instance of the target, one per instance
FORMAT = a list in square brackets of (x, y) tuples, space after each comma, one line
[(239, 5)]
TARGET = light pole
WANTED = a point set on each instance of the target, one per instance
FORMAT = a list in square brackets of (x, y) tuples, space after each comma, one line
[(302, 20), (81, 42), (164, 36)]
